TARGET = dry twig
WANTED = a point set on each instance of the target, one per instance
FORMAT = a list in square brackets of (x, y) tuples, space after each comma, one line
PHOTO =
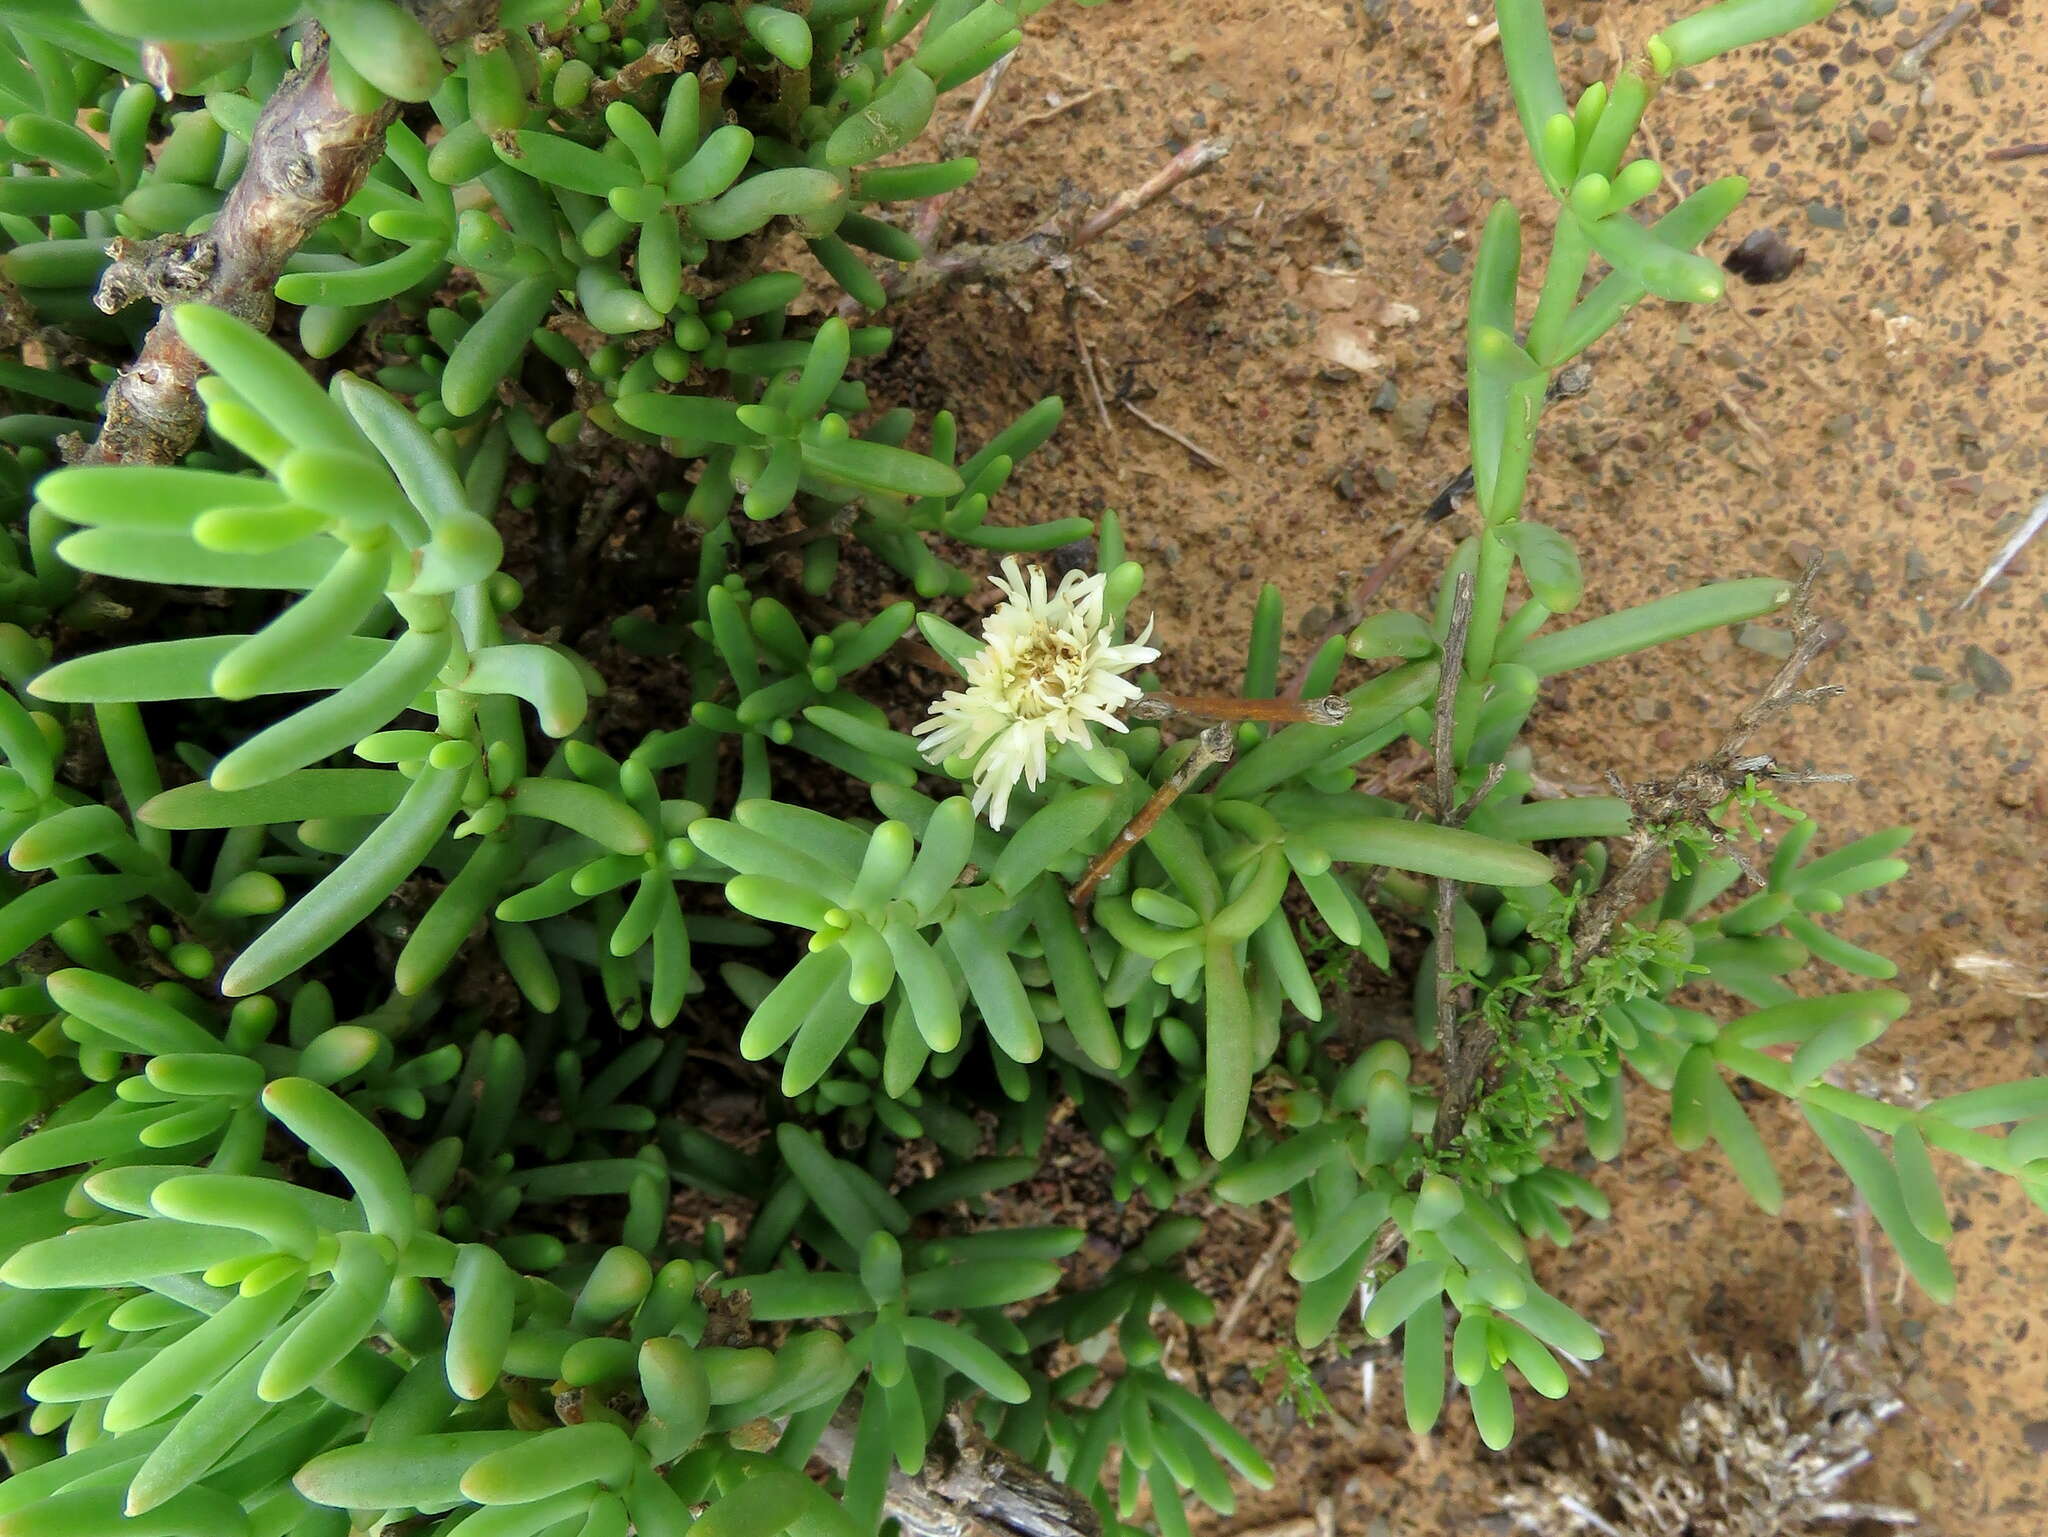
[(1912, 63), (1466, 63), (1072, 304), (1692, 796), (2009, 552), (1750, 1457), (925, 227), (2023, 979), (1010, 260), (1253, 1278), (1181, 438), (666, 58), (968, 1487), (1741, 417), (1059, 109), (1215, 745), (985, 96)]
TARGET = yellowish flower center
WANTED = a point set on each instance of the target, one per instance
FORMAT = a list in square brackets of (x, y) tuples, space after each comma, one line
[(1040, 674)]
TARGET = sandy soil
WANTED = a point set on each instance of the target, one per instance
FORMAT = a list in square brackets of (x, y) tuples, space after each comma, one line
[(1886, 405)]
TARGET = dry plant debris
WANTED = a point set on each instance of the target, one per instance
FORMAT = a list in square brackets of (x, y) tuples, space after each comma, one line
[(1754, 1455)]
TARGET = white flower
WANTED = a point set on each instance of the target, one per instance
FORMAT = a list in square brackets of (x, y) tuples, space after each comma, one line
[(1049, 669)]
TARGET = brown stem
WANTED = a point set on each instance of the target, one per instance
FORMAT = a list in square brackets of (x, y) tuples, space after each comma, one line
[(1213, 746), (308, 156), (1192, 161), (1329, 710), (662, 59)]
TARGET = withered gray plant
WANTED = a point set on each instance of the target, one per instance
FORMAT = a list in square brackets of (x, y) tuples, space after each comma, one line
[(1757, 1454)]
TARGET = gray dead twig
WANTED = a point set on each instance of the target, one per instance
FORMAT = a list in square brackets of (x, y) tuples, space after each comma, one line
[(1692, 796), (1181, 438), (2009, 552), (2023, 979), (1085, 356), (1465, 1057), (1009, 260), (1059, 109), (1755, 1454), (968, 1486), (1912, 64)]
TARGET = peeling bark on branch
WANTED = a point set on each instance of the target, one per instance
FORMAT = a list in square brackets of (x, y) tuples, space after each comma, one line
[(309, 155), (968, 1487)]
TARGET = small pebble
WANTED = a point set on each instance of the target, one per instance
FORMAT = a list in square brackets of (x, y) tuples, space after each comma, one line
[(1764, 256), (1825, 217), (1413, 416), (1761, 637), (1986, 671)]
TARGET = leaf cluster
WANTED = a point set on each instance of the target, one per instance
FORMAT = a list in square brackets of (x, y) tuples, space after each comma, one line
[(365, 974)]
